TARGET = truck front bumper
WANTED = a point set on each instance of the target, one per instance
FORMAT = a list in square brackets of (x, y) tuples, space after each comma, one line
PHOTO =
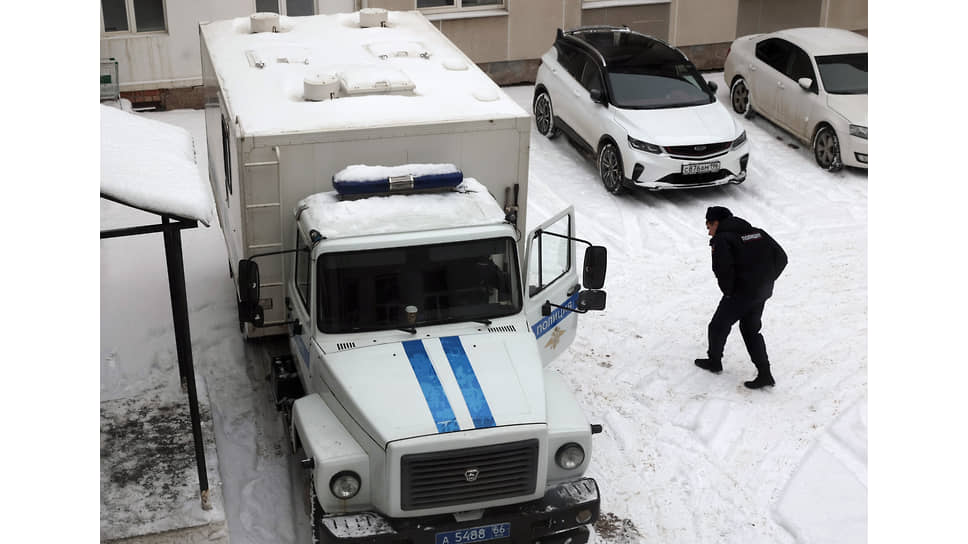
[(561, 516)]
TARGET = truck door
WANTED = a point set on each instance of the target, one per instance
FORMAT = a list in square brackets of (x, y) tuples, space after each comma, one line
[(552, 277), (299, 306)]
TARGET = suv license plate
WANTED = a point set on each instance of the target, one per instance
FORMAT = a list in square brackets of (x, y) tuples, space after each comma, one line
[(700, 168), (474, 534)]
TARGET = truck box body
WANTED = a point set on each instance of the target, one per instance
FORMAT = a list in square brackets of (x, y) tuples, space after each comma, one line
[(269, 147)]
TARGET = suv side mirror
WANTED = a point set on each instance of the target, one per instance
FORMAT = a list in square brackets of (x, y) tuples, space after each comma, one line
[(597, 96), (806, 83), (712, 85), (593, 270), (249, 309)]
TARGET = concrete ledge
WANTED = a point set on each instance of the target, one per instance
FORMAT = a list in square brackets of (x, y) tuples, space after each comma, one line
[(213, 533)]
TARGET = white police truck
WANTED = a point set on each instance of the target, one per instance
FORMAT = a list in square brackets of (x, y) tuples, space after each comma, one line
[(420, 318)]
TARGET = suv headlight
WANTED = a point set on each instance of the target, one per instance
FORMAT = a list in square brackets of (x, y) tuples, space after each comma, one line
[(740, 140), (644, 146), (345, 485), (859, 131), (570, 456)]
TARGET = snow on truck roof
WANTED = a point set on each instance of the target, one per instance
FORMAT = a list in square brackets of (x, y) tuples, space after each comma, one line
[(151, 166), (403, 74), (469, 204)]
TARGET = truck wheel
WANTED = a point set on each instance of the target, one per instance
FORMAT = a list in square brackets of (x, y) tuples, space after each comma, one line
[(610, 168), (544, 115)]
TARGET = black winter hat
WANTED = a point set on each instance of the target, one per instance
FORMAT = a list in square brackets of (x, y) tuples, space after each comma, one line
[(717, 213)]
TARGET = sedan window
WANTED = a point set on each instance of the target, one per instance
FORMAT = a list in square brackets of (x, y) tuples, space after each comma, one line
[(844, 74), (800, 67), (774, 52), (653, 87)]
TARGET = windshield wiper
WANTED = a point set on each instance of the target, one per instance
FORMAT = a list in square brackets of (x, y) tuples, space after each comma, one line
[(411, 330), (486, 322)]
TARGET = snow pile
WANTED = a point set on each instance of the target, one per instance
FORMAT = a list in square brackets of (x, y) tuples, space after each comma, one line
[(151, 165), (470, 204), (269, 99)]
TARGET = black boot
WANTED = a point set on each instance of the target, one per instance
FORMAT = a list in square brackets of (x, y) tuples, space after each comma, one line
[(712, 365), (763, 378)]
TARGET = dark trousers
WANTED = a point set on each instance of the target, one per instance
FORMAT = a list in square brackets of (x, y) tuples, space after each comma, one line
[(748, 311)]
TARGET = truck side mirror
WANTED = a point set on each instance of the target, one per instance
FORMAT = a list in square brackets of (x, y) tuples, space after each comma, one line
[(593, 271), (249, 309), (712, 86), (597, 96), (806, 83), (591, 300)]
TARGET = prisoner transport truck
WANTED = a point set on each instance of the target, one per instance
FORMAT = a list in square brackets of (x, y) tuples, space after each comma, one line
[(371, 184)]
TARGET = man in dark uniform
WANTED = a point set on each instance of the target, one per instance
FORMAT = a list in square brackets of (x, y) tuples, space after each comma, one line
[(746, 262)]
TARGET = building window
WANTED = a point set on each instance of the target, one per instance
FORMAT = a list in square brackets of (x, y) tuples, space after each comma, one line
[(133, 15), (290, 8), (454, 5)]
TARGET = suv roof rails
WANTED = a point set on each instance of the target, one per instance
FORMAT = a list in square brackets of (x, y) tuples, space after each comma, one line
[(598, 28)]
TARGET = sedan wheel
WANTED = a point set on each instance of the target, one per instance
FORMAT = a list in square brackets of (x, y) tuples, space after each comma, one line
[(826, 149), (544, 117), (610, 168), (739, 95)]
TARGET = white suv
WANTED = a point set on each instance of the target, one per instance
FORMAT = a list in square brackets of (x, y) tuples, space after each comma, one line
[(641, 107)]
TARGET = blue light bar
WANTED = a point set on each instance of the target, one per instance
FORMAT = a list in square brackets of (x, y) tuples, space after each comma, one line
[(398, 184)]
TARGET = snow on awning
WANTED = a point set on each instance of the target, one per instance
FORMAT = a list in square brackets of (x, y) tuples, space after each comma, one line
[(151, 165)]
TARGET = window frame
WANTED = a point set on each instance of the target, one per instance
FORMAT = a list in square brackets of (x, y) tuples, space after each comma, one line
[(302, 246), (133, 22), (283, 8), (537, 246), (459, 7)]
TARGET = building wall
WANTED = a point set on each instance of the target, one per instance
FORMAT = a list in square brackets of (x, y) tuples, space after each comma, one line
[(171, 59), (650, 18), (507, 42)]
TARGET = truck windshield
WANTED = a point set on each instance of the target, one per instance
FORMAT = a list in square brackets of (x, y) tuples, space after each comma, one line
[(462, 281)]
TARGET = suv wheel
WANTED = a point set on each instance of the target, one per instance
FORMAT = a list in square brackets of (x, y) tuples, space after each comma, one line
[(739, 96), (826, 149), (610, 168), (544, 115)]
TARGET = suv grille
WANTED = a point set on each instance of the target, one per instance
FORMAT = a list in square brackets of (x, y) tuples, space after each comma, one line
[(691, 151), (436, 479)]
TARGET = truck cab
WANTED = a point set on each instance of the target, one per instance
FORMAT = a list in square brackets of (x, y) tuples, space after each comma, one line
[(417, 392)]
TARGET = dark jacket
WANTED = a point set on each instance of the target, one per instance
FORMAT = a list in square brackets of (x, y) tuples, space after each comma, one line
[(746, 260)]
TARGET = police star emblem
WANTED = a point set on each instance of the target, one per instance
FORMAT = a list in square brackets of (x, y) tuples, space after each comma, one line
[(555, 338)]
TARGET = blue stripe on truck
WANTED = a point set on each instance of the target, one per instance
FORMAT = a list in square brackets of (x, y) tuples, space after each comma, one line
[(433, 392), (469, 386)]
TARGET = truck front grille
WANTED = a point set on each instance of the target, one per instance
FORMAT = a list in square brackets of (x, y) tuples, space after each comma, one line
[(468, 475)]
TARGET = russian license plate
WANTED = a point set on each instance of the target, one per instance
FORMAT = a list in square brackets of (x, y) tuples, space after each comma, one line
[(700, 168), (475, 534)]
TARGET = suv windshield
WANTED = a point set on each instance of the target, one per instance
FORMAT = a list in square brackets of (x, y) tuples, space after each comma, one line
[(462, 281), (844, 74), (658, 86)]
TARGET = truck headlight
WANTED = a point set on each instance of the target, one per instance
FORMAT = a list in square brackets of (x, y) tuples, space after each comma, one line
[(345, 485), (859, 131), (740, 140), (570, 456), (644, 146)]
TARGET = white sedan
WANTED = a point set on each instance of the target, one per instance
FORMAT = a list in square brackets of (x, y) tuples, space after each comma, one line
[(810, 81), (641, 108)]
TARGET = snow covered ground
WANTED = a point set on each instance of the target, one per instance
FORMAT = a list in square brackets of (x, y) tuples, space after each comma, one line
[(686, 456)]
